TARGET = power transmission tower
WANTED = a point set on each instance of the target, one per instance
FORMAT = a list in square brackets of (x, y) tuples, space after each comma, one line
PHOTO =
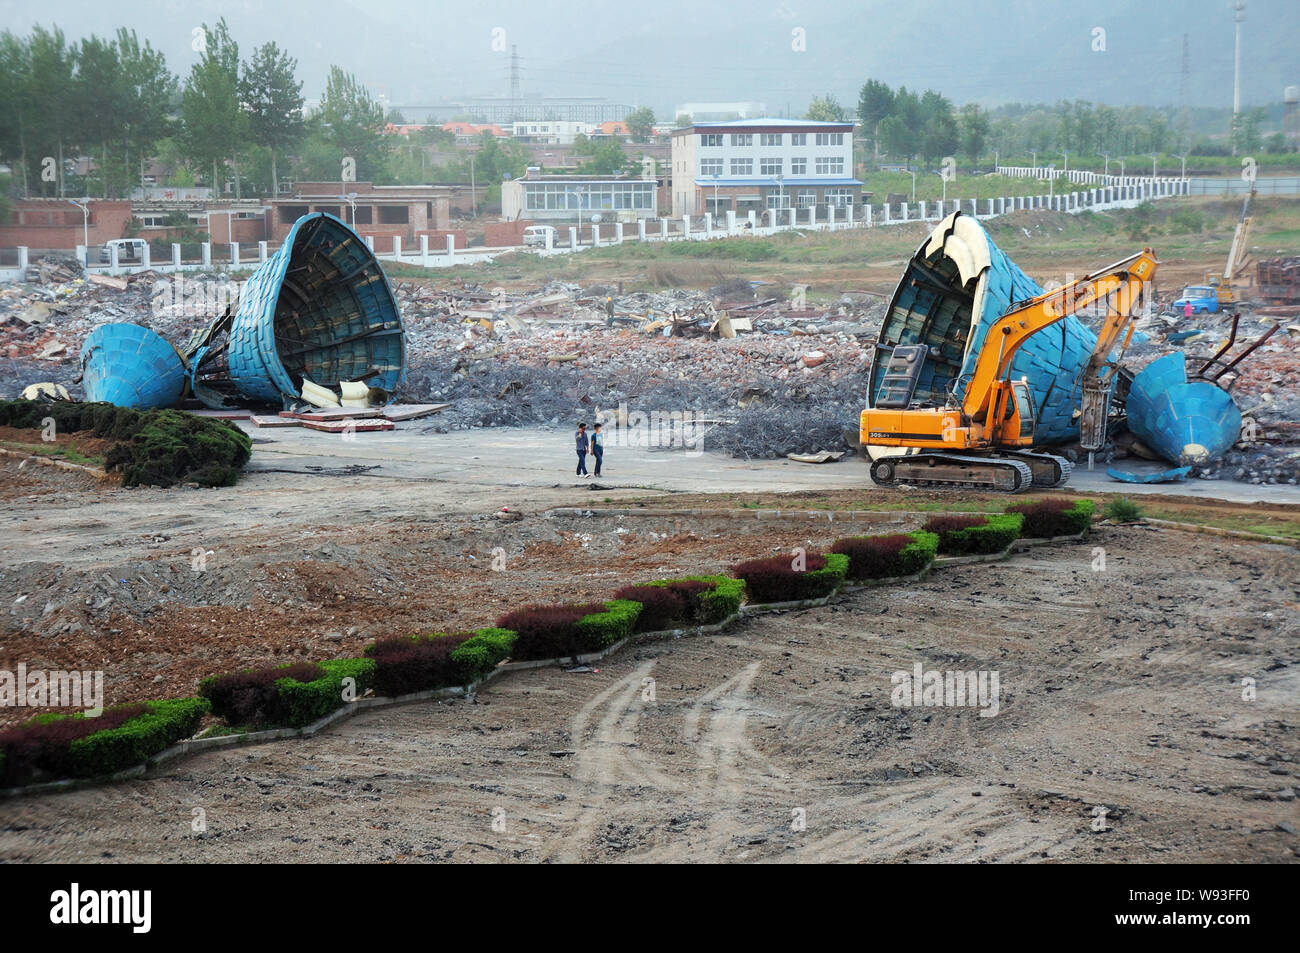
[(514, 83)]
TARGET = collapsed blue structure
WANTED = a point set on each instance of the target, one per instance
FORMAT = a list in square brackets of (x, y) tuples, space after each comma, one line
[(130, 366), (959, 283), (320, 310), (1187, 422)]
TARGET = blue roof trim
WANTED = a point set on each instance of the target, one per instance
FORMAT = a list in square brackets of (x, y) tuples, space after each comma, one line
[(772, 121)]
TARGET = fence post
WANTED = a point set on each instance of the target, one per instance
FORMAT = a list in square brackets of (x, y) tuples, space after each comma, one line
[(640, 229), (144, 257), (451, 248), (207, 254), (618, 233), (234, 255), (686, 226), (731, 221), (176, 256), (22, 260), (261, 252), (663, 228), (573, 237)]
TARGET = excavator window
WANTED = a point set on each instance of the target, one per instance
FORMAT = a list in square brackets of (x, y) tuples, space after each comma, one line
[(1025, 407)]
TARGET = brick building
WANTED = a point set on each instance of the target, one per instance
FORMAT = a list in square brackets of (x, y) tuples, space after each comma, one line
[(378, 211), (57, 225)]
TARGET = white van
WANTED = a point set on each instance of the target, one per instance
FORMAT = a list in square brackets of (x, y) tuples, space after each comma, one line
[(537, 235), (128, 250)]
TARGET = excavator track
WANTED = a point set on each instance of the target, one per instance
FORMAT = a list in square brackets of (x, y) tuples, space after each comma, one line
[(1002, 474), (1049, 469)]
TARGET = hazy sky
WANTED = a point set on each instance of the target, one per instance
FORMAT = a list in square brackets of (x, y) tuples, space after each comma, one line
[(990, 51)]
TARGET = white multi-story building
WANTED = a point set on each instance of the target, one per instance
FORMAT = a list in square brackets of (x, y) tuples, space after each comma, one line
[(760, 164), (551, 131)]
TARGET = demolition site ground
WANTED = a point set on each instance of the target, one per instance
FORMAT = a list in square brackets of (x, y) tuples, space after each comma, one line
[(1147, 711), (1121, 690)]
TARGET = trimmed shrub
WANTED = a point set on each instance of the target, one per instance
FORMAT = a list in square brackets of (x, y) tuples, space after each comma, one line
[(975, 535), (154, 448), (417, 663), (774, 580), (615, 622), (1054, 517), (884, 557), (662, 607), (559, 631), (305, 702), (286, 695), (252, 697), (708, 599), (67, 746), (482, 652), (547, 631)]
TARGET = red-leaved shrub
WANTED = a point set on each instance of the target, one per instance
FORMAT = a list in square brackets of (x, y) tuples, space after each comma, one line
[(1053, 517), (43, 744), (547, 631), (775, 580), (873, 557), (251, 698), (661, 607), (414, 664)]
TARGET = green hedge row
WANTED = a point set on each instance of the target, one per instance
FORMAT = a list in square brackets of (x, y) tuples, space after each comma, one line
[(154, 447), (161, 724), (296, 703), (262, 698)]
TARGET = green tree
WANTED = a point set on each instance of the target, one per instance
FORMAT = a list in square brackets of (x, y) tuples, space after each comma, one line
[(826, 109), (640, 122), (973, 128), (352, 121), (898, 140), (607, 158), (16, 117), (875, 103), (149, 88), (272, 98), (215, 126), (50, 91)]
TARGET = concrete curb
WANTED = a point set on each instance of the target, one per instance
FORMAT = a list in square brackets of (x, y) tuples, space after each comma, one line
[(96, 472), (941, 561), (888, 580), (1019, 544), (1219, 531), (829, 516)]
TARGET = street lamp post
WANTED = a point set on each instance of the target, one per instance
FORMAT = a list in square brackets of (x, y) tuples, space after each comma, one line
[(1182, 157), (1067, 161), (1035, 155), (715, 195), (1107, 157), (1121, 168), (351, 199), (780, 193), (84, 205), (913, 175), (1154, 159), (945, 187)]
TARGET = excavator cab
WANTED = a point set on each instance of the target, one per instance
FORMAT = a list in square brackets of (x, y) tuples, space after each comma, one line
[(1024, 400)]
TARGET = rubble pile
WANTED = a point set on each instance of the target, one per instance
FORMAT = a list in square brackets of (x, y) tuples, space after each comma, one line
[(770, 375)]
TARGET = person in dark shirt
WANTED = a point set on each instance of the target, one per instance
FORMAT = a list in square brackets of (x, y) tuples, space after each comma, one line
[(582, 443), (598, 447)]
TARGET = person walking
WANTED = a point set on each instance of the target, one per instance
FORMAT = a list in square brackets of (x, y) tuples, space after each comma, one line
[(597, 447), (1187, 310), (580, 439)]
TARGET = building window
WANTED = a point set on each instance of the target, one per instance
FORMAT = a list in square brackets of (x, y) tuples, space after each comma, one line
[(770, 166), (798, 138), (742, 166), (830, 138), (799, 165), (393, 214), (710, 167), (742, 139), (362, 214), (830, 165), (291, 213), (770, 139), (711, 139), (778, 199), (840, 198), (807, 199)]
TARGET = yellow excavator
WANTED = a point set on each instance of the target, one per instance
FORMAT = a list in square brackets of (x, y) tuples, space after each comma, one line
[(982, 441)]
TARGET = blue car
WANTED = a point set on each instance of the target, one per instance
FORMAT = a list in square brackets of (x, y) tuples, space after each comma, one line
[(1203, 299)]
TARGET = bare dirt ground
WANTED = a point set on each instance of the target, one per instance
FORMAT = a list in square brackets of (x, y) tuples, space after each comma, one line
[(1120, 690)]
